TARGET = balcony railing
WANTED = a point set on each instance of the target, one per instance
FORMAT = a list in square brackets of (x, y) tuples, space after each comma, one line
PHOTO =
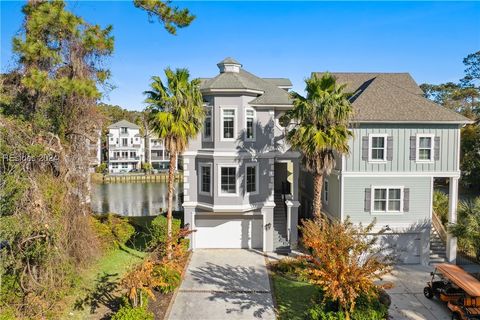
[(131, 146), (124, 158)]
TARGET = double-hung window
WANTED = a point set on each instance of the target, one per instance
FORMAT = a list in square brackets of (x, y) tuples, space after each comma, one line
[(387, 199), (378, 147), (251, 178), (228, 180), (425, 145), (124, 130), (124, 142), (206, 178), (228, 124), (207, 128), (250, 124)]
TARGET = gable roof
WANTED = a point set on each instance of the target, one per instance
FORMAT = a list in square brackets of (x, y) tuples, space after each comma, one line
[(267, 90), (392, 97), (123, 124)]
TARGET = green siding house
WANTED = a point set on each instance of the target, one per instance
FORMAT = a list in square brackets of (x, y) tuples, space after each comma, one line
[(402, 141)]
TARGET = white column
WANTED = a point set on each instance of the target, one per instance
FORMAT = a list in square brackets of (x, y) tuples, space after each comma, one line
[(267, 213), (292, 222), (452, 218)]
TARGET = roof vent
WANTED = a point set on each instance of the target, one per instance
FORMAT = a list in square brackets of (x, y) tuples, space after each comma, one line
[(229, 65)]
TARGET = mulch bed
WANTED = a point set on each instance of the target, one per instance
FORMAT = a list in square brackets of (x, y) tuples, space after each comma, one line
[(161, 305)]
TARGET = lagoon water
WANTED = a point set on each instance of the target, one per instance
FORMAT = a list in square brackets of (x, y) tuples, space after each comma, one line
[(134, 199)]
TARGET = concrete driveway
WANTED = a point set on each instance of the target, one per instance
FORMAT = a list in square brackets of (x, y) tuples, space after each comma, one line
[(225, 284), (408, 301)]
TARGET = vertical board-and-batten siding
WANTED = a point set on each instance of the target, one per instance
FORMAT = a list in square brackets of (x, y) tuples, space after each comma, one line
[(400, 161)]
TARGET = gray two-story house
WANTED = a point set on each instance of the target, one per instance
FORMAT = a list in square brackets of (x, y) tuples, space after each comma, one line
[(244, 187), (237, 172)]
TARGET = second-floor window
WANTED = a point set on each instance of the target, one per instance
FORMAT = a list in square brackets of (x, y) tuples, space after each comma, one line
[(228, 123), (133, 154), (124, 142), (131, 140), (250, 124), (123, 130), (378, 147), (207, 129), (425, 147)]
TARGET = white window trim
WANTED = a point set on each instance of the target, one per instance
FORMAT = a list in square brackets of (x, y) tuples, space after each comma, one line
[(235, 125), (432, 147), (370, 145), (257, 178), (387, 212), (219, 178), (326, 191), (204, 138), (254, 126), (200, 166)]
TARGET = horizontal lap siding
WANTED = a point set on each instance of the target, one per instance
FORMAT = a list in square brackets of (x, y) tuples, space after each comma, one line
[(333, 206), (401, 148), (420, 201)]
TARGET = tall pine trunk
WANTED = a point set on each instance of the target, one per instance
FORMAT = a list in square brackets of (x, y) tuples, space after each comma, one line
[(171, 173), (317, 195)]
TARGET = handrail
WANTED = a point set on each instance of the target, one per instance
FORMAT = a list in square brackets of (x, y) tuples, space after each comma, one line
[(437, 224)]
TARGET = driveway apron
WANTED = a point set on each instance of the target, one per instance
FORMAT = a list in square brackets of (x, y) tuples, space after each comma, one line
[(224, 284)]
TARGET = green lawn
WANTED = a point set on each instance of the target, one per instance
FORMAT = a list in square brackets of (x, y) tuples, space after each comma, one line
[(293, 297), (100, 281)]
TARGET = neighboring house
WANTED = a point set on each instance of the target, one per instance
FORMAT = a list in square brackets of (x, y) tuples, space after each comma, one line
[(402, 141), (125, 147), (158, 156), (240, 179)]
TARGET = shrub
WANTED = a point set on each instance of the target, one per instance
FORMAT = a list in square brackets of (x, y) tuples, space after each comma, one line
[(343, 251), (467, 228), (158, 230), (101, 168), (289, 267), (113, 229), (367, 308), (127, 312), (440, 206), (168, 278)]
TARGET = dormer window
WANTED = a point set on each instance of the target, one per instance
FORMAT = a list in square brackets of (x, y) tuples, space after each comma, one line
[(124, 130)]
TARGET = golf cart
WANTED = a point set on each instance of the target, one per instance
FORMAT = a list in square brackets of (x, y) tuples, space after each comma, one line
[(458, 288)]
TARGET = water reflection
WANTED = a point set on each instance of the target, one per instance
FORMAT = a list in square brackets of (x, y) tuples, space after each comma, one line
[(134, 199)]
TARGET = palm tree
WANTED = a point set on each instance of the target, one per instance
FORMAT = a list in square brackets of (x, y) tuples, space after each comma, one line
[(467, 228), (318, 126), (177, 115)]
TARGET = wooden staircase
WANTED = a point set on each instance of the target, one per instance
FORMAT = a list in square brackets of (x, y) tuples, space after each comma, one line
[(437, 248)]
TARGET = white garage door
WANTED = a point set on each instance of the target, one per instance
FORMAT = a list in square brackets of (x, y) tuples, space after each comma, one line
[(232, 232)]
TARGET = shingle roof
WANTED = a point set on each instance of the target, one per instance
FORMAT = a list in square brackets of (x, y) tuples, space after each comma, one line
[(123, 124), (229, 60), (392, 97), (269, 93), (279, 82)]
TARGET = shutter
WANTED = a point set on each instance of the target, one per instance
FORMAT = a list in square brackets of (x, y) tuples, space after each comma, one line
[(365, 148), (389, 148), (406, 199), (437, 148), (413, 148), (368, 200)]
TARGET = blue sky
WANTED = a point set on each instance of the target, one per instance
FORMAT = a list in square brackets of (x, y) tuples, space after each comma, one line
[(279, 39)]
